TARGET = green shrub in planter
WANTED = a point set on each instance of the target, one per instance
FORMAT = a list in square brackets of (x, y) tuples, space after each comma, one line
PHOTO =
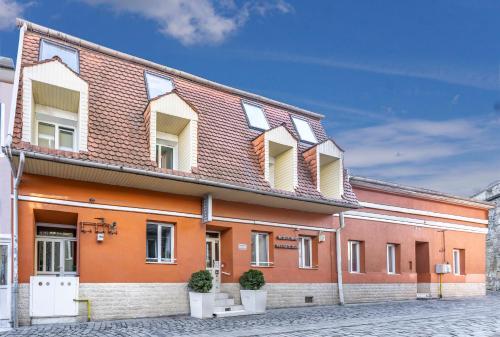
[(201, 281), (252, 280)]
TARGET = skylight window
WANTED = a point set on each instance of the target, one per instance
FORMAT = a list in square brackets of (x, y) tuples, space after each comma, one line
[(255, 116), (304, 130), (68, 55), (157, 85)]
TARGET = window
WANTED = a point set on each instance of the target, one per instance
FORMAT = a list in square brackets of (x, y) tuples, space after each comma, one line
[(4, 264), (304, 130), (55, 136), (2, 123), (353, 253), (305, 252), (56, 250), (159, 243), (157, 85), (260, 249), (68, 55), (391, 259), (255, 116), (458, 261), (166, 154)]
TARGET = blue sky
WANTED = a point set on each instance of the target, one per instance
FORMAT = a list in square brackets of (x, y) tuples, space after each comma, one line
[(411, 90)]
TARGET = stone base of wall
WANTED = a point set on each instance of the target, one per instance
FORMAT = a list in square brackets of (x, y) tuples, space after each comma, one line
[(458, 289), (23, 304), (133, 300), (378, 292), (280, 295)]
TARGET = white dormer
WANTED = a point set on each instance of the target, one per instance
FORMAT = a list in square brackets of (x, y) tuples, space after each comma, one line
[(326, 164), (173, 132), (55, 107), (277, 150)]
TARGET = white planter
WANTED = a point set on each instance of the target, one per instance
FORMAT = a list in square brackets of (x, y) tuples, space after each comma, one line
[(254, 301), (201, 304)]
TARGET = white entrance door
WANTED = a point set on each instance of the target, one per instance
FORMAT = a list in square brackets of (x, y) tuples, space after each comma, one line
[(4, 281), (212, 247)]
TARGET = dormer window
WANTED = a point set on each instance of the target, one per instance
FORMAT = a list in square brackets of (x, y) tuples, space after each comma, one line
[(55, 107), (325, 162), (304, 130), (255, 116), (68, 55), (277, 153), (173, 133), (157, 85)]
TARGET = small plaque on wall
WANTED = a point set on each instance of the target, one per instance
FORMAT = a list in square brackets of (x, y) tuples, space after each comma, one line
[(242, 246)]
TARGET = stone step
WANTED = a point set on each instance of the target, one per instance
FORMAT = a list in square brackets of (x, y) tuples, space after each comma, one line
[(220, 296), (219, 309), (231, 313), (424, 296), (224, 302)]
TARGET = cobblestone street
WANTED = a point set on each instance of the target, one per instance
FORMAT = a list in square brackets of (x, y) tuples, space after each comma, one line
[(453, 317)]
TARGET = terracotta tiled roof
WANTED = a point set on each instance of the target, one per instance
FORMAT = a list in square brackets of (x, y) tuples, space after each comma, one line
[(118, 133)]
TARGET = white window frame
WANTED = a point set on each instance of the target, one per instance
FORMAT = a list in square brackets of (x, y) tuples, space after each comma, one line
[(456, 262), (303, 242), (392, 261), (175, 154), (62, 240), (296, 122), (2, 125), (148, 74), (250, 122), (259, 263), (357, 247), (159, 259), (57, 126), (60, 46)]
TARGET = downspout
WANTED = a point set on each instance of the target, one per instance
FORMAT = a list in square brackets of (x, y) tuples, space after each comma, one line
[(338, 246), (15, 229)]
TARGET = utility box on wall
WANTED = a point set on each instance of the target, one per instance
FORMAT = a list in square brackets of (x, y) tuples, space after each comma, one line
[(52, 296), (443, 268)]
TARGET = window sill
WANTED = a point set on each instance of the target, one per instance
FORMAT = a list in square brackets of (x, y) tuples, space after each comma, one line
[(309, 268), (150, 262), (261, 266)]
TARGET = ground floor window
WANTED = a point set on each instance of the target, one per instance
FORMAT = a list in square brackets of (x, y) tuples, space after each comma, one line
[(391, 258), (56, 250), (260, 249), (160, 243), (458, 261), (4, 263), (305, 252), (353, 256)]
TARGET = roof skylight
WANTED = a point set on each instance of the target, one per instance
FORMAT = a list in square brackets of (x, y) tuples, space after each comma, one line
[(255, 116), (157, 85), (68, 55), (304, 130)]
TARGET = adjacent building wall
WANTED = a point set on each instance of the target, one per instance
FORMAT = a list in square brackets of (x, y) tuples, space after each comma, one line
[(492, 194)]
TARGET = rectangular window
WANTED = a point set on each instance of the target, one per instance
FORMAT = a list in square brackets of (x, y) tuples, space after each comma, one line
[(458, 261), (2, 123), (4, 263), (260, 249), (166, 156), (391, 259), (353, 256), (159, 243), (157, 85), (255, 116), (304, 130), (56, 250), (67, 55), (54, 136), (305, 252)]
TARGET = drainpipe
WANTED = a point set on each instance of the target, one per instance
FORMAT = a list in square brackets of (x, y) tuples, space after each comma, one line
[(15, 229), (338, 246)]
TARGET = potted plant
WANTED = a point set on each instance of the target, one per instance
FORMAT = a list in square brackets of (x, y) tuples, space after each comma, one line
[(201, 300), (253, 297)]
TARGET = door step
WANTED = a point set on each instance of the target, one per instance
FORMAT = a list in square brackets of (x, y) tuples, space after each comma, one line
[(233, 310)]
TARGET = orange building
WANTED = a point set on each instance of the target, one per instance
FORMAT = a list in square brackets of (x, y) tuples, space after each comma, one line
[(134, 175)]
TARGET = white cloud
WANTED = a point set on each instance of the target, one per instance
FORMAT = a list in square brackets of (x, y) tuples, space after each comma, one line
[(9, 11), (196, 22), (456, 156)]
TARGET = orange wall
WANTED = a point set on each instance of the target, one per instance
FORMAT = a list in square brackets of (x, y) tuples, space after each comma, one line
[(121, 258)]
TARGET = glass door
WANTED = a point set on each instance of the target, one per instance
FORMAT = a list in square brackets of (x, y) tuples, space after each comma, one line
[(212, 262), (4, 281)]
